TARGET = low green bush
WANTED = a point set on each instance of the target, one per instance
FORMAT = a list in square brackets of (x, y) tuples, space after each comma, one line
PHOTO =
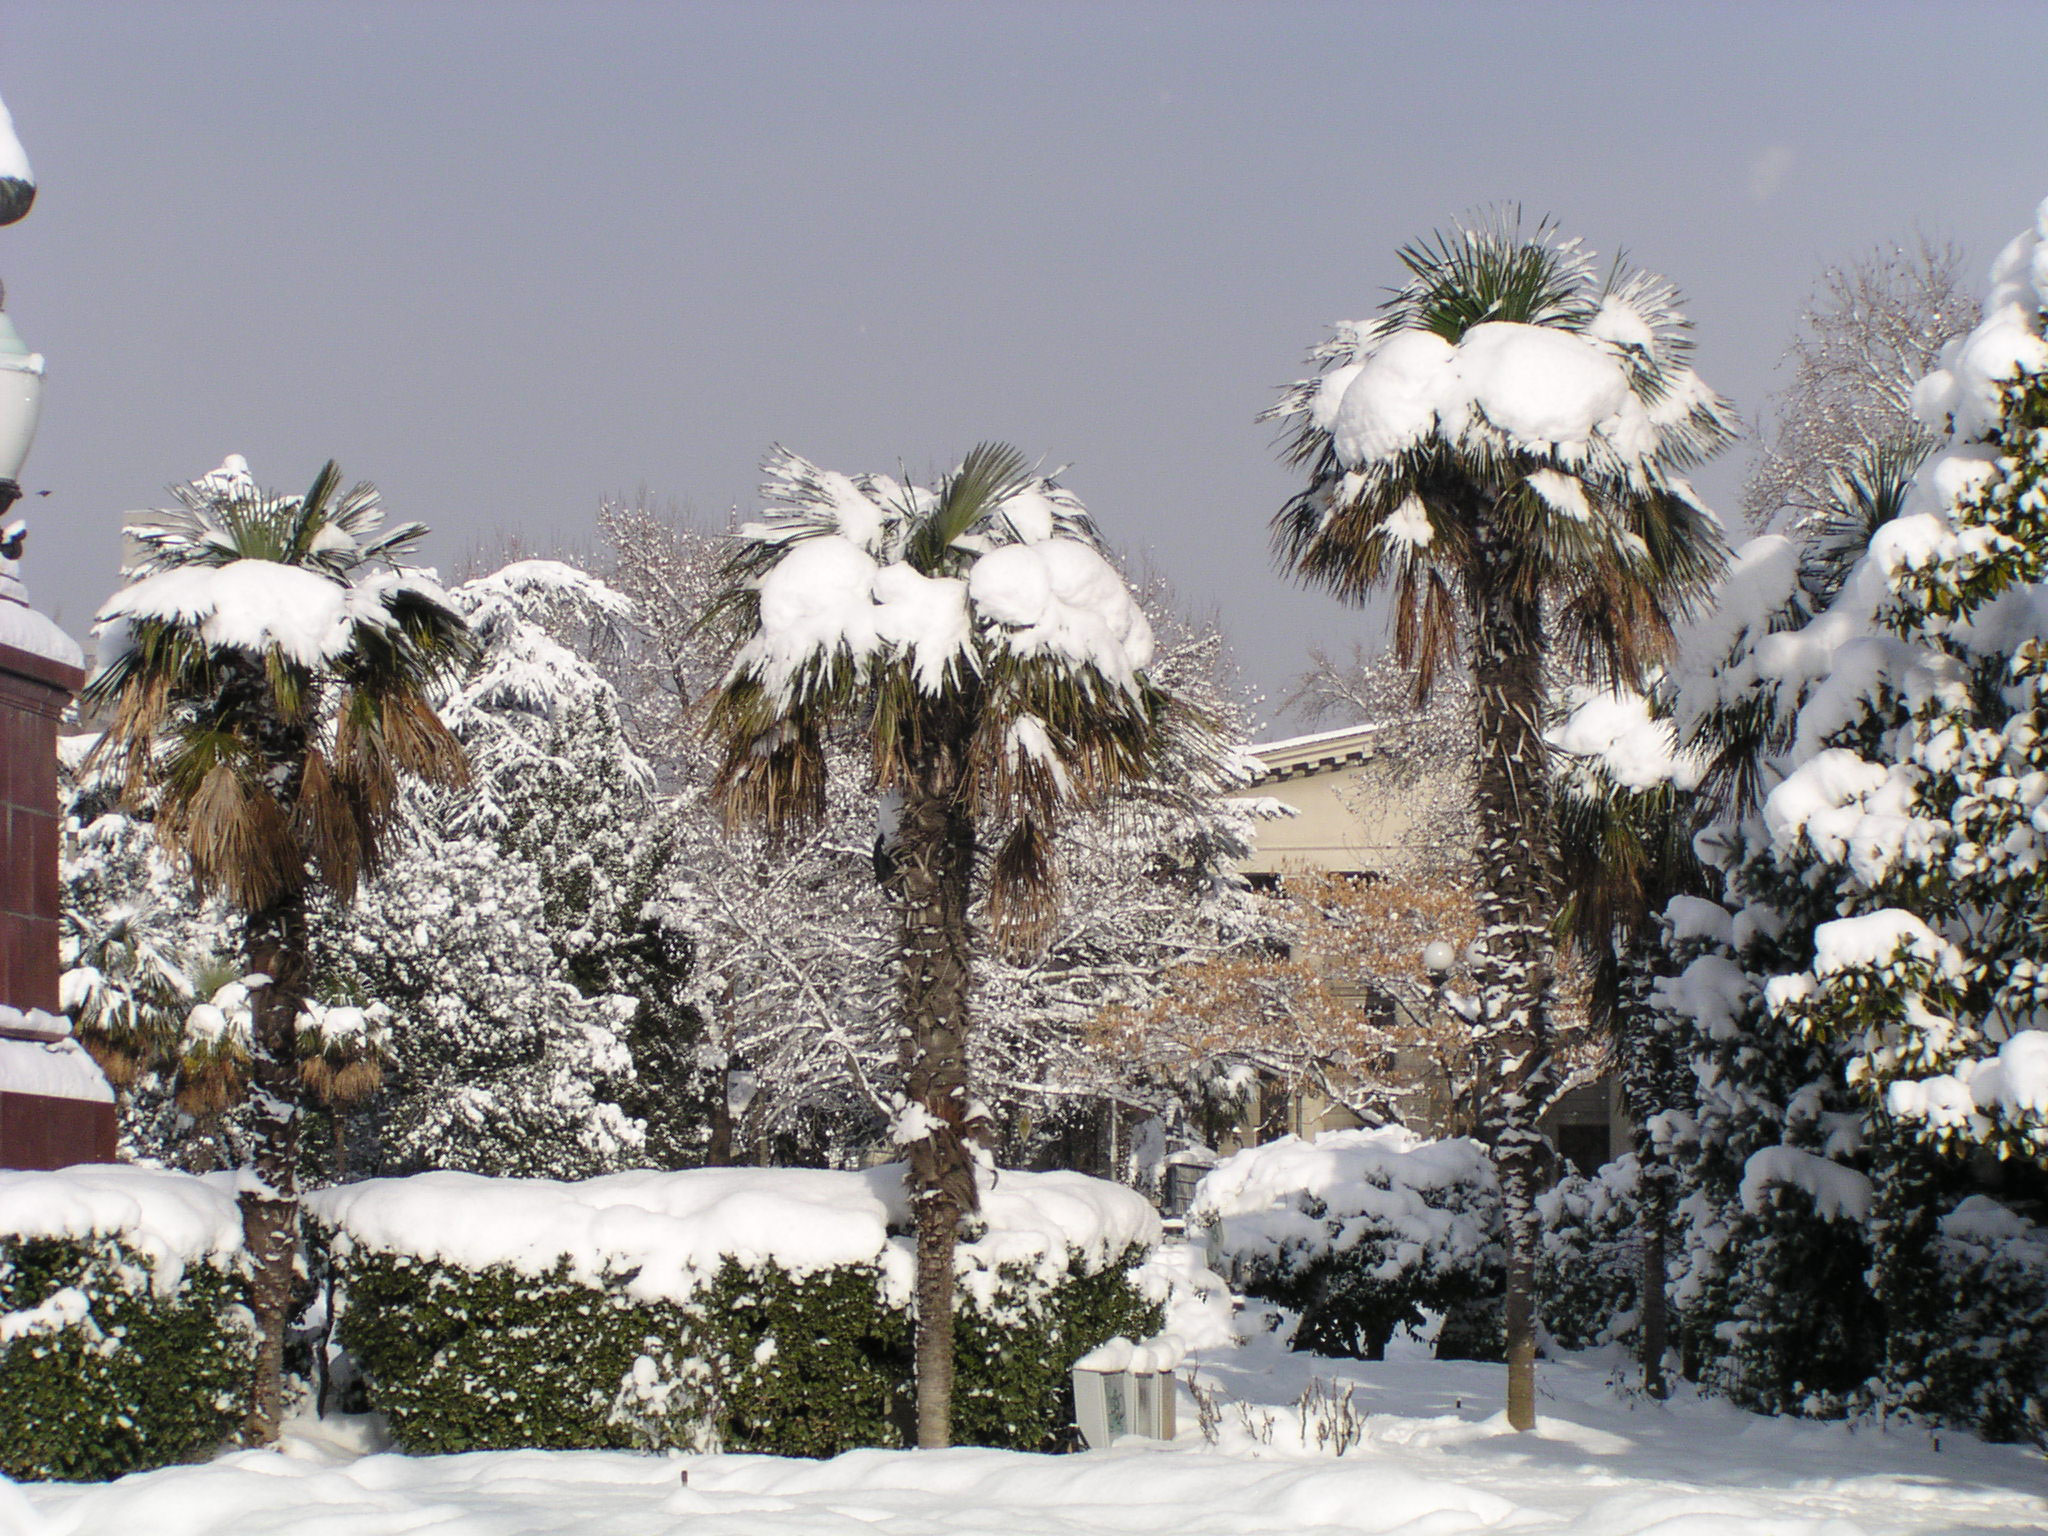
[(758, 1359), (1013, 1354), (103, 1372)]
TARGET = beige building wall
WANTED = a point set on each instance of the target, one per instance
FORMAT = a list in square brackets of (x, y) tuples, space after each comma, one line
[(1356, 809)]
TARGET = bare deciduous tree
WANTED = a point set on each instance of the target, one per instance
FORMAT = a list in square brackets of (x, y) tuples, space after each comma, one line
[(1871, 327)]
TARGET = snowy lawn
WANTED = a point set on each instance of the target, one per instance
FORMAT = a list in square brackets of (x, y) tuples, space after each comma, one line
[(1435, 1460)]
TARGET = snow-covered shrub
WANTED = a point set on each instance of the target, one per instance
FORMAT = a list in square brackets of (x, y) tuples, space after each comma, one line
[(1588, 1270), (1015, 1341), (1360, 1232), (752, 1309), (124, 1339), (1991, 1371)]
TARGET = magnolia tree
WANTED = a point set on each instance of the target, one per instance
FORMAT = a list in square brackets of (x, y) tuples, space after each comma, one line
[(996, 667), (1501, 450)]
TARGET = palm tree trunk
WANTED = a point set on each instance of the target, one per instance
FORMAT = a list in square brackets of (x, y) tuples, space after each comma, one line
[(274, 945), (1516, 958), (930, 887)]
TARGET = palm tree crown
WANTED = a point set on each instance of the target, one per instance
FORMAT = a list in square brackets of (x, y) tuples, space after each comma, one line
[(983, 609), (1506, 383), (267, 670)]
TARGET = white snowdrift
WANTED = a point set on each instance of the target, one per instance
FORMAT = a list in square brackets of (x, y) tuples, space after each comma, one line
[(1435, 1459)]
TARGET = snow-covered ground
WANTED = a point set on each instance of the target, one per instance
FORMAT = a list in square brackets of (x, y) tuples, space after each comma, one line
[(1435, 1459)]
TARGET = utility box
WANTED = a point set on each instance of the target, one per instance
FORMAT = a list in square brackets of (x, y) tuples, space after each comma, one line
[(1121, 1388)]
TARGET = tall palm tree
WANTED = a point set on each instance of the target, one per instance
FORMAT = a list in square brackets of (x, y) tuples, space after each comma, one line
[(1500, 452), (995, 663), (266, 675)]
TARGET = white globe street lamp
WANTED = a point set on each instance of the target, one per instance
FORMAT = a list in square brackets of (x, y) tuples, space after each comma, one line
[(21, 371), (21, 405)]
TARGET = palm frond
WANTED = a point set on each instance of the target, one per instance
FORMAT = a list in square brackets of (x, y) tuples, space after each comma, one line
[(989, 475)]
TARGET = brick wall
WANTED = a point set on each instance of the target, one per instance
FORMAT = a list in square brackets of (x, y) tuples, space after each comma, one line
[(36, 1132)]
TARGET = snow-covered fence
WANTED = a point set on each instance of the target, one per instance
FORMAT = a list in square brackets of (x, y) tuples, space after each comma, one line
[(124, 1339), (757, 1309), (1360, 1231)]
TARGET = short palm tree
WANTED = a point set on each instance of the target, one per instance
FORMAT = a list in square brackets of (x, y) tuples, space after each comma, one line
[(1500, 452), (995, 663), (266, 676)]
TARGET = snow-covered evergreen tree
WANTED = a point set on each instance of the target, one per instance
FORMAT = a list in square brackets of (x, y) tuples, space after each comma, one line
[(523, 932), (1864, 1007)]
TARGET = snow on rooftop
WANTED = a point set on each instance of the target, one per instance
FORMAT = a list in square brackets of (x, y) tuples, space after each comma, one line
[(1315, 739)]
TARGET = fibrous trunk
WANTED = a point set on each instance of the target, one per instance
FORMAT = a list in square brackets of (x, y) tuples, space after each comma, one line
[(930, 887), (1515, 952), (273, 946)]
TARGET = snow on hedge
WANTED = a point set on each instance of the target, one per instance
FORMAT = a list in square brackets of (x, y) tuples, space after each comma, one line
[(671, 1232), (173, 1219), (1259, 1201)]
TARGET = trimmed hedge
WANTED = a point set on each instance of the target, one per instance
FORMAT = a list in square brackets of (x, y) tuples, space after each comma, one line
[(101, 1374), (1012, 1359), (758, 1360)]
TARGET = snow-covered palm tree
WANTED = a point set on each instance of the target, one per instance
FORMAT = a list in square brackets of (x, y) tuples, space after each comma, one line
[(1500, 450), (266, 676), (994, 661)]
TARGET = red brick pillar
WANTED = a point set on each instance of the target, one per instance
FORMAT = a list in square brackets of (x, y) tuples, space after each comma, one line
[(71, 1118)]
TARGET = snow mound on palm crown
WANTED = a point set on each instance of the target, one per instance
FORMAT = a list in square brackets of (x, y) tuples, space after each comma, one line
[(1030, 581), (258, 606), (671, 1232), (1542, 388), (173, 1219)]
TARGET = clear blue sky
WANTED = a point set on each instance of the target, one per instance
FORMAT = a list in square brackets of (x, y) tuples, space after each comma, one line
[(507, 259)]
